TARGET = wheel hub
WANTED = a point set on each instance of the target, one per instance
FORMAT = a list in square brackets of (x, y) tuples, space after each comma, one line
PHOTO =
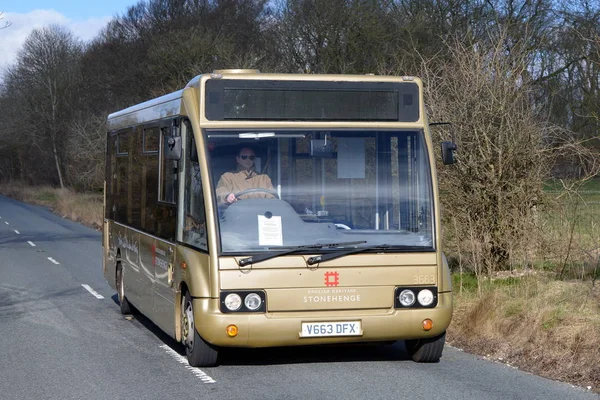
[(187, 325), (120, 285)]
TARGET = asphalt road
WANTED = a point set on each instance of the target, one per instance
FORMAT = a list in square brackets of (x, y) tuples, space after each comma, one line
[(59, 340)]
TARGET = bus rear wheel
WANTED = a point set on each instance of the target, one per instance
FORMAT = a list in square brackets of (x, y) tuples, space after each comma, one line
[(126, 308), (199, 353), (427, 350)]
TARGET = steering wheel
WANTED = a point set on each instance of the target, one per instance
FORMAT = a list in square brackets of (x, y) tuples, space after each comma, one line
[(257, 190)]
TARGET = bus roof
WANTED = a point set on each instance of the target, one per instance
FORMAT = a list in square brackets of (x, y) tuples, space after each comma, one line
[(161, 107), (172, 104)]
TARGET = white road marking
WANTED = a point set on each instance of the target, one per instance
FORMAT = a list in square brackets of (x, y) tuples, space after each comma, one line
[(31, 243), (6, 222), (182, 360), (17, 232), (92, 291), (53, 260)]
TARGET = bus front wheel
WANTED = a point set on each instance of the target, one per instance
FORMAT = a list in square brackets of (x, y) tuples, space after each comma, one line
[(123, 302), (426, 350), (199, 353)]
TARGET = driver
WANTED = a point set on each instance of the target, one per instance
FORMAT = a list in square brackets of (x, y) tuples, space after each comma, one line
[(245, 177)]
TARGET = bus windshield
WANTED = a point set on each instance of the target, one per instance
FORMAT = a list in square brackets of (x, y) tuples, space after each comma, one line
[(285, 189)]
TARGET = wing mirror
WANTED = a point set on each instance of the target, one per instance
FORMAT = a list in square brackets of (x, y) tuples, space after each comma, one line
[(448, 148)]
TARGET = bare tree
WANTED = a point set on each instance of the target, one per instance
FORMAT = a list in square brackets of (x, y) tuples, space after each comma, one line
[(336, 36), (5, 24), (85, 149), (507, 148), (491, 194), (47, 74)]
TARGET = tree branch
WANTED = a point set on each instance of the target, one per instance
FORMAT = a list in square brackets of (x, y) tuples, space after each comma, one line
[(559, 71)]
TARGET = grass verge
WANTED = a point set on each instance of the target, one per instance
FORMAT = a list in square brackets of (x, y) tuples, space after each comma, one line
[(534, 322), (80, 207)]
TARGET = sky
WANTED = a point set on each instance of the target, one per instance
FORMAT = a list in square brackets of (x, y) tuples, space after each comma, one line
[(85, 18)]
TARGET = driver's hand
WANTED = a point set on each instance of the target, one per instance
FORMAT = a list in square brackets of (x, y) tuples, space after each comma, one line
[(230, 198)]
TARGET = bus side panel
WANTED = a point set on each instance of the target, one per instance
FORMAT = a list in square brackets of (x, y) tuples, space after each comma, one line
[(164, 292), (446, 277), (196, 274), (108, 256), (123, 241)]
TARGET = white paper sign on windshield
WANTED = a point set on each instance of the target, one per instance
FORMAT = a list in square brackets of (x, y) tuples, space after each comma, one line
[(351, 158), (269, 231)]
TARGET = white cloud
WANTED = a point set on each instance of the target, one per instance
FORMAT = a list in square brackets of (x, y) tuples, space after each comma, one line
[(12, 38)]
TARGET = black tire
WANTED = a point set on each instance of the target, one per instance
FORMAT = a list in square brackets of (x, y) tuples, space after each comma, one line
[(428, 350), (199, 353), (126, 308)]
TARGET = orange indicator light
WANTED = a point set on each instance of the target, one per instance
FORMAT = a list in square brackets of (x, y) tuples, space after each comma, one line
[(427, 324), (183, 265), (232, 330)]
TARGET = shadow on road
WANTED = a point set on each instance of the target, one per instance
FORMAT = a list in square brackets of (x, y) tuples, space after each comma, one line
[(314, 354)]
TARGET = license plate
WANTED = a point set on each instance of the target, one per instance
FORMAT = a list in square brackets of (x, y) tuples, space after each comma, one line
[(324, 329)]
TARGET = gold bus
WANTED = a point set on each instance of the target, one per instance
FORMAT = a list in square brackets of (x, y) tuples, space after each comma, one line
[(259, 210)]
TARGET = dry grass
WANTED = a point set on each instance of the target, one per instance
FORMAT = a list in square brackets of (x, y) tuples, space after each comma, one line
[(539, 324), (83, 208)]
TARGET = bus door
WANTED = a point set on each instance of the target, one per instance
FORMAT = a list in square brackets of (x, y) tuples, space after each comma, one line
[(164, 249)]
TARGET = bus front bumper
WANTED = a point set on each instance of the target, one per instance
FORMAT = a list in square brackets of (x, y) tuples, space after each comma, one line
[(273, 329)]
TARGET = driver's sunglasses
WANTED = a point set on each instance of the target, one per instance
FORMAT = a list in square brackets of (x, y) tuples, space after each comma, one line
[(245, 156)]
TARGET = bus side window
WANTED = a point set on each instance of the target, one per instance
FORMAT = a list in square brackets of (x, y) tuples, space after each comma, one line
[(134, 197), (166, 220), (168, 175), (194, 230), (111, 180), (150, 149), (121, 174)]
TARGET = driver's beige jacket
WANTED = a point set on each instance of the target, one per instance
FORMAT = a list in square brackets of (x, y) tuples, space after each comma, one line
[(234, 182)]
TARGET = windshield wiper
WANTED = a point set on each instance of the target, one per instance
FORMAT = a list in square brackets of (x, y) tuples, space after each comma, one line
[(291, 250), (338, 254)]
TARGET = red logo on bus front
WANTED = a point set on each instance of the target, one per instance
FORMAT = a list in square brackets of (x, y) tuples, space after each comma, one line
[(332, 279)]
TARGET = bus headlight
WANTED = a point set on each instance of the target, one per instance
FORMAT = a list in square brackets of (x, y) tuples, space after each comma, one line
[(415, 297), (425, 297), (243, 301), (406, 298), (252, 301), (233, 302)]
